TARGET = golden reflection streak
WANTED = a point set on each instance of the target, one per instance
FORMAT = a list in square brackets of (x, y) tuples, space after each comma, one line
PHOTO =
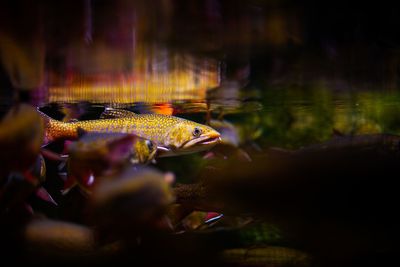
[(188, 81)]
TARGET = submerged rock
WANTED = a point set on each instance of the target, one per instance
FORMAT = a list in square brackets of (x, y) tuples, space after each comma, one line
[(132, 202), (271, 256), (50, 240)]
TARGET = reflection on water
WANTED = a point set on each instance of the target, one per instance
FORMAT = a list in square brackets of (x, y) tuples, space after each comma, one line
[(150, 75), (294, 117)]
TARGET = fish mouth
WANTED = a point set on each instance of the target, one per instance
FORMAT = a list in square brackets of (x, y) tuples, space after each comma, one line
[(203, 140), (209, 141)]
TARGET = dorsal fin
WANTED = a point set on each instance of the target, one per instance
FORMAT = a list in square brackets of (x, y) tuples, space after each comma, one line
[(111, 113)]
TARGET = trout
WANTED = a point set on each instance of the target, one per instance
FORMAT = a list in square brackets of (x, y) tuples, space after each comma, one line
[(172, 135)]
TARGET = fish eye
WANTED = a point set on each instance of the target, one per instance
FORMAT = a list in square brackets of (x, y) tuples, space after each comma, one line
[(197, 131), (149, 144)]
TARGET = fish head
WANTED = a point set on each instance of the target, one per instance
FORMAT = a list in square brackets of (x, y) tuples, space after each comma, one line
[(188, 137)]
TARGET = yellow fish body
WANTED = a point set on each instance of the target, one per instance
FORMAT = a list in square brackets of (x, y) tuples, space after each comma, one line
[(172, 135)]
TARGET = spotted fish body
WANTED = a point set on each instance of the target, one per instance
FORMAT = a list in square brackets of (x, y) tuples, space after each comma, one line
[(142, 126), (172, 134)]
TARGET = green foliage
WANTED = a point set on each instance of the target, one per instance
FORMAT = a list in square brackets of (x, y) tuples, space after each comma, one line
[(293, 117)]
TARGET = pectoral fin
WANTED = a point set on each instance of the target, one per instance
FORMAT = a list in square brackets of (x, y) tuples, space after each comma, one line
[(111, 113)]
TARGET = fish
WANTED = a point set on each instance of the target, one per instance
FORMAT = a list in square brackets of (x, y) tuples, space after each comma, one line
[(173, 135)]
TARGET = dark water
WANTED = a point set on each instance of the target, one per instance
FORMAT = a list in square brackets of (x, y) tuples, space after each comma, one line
[(282, 75)]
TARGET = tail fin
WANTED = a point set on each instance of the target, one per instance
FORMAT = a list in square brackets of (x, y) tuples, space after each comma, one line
[(50, 125)]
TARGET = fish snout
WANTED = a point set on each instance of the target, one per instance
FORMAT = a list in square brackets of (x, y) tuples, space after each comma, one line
[(214, 134), (211, 137)]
